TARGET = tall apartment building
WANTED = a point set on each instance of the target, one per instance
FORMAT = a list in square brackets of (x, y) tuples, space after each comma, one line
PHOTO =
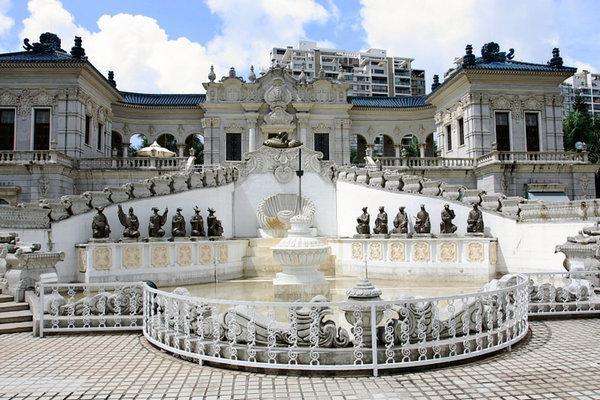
[(587, 85), (369, 73)]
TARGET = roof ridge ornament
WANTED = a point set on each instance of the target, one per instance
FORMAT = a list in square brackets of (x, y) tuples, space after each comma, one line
[(490, 52), (469, 57), (436, 82), (556, 61), (77, 51), (211, 75), (111, 79), (252, 75), (49, 43)]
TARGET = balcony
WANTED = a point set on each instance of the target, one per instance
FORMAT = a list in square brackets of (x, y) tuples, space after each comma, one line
[(132, 163), (23, 157)]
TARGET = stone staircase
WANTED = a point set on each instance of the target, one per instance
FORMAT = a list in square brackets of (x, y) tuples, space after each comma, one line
[(14, 316)]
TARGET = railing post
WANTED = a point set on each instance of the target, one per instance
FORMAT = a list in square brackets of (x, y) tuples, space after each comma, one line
[(374, 338), (41, 311)]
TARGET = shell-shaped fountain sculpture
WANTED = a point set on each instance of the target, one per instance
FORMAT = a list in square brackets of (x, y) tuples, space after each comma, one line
[(300, 255), (274, 213)]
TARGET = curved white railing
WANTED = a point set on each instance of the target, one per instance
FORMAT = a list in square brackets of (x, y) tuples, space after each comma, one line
[(349, 335), (564, 293)]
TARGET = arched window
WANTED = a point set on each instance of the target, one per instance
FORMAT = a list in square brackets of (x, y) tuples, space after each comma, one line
[(196, 142), (410, 144), (167, 141), (136, 142), (116, 144)]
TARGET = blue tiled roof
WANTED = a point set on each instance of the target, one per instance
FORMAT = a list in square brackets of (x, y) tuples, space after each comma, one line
[(28, 56), (389, 102), (157, 100), (510, 65)]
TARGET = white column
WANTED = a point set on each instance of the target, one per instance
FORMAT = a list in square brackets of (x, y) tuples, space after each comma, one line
[(251, 139), (397, 148), (303, 134)]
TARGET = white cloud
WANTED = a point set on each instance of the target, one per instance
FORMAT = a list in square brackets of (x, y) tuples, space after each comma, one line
[(145, 58), (6, 22), (435, 31)]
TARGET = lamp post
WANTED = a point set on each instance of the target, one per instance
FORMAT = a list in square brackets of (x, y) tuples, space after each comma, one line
[(299, 174)]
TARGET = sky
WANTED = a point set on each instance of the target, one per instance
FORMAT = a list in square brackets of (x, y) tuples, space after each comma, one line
[(168, 46)]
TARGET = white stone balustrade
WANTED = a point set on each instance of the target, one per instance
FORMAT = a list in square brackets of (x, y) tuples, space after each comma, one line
[(35, 157), (129, 163), (163, 262)]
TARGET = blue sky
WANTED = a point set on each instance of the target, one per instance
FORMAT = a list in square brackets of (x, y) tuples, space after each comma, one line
[(168, 46)]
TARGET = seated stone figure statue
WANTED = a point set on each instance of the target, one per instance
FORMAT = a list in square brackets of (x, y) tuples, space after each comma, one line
[(400, 222), (446, 226), (197, 224), (178, 224), (363, 221), (156, 222), (381, 222), (130, 222), (422, 222), (475, 220), (100, 227), (213, 225)]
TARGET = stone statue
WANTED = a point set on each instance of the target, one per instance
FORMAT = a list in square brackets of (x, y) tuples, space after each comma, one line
[(475, 220), (178, 224), (131, 223), (363, 223), (400, 222), (156, 222), (197, 223), (281, 141), (100, 227), (422, 222), (381, 222), (446, 226), (213, 225)]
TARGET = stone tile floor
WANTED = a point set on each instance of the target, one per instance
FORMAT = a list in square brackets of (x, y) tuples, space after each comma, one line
[(560, 360)]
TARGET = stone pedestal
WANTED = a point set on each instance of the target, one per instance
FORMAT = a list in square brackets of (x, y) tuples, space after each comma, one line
[(300, 256)]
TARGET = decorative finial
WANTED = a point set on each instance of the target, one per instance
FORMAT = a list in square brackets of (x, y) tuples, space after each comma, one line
[(469, 57), (556, 61), (77, 51), (211, 74), (302, 76), (232, 73), (111, 79), (252, 75), (436, 83)]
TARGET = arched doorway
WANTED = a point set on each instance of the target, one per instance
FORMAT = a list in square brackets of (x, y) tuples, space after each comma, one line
[(136, 142), (196, 142), (167, 141), (116, 144), (388, 147), (430, 146), (410, 145), (359, 150)]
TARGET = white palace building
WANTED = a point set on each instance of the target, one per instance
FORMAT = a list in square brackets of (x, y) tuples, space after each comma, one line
[(66, 128)]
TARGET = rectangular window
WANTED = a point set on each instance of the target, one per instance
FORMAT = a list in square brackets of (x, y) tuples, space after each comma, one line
[(7, 129), (532, 131), (41, 129), (100, 133), (322, 144), (448, 138), (88, 128), (502, 131), (461, 131), (233, 146)]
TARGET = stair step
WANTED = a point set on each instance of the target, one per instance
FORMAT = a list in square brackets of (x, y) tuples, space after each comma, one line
[(14, 327), (4, 298), (15, 316), (13, 306)]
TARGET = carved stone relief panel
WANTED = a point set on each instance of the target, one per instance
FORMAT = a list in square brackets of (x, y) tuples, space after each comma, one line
[(184, 255), (357, 251), (397, 252), (132, 257), (421, 252), (159, 256), (376, 251), (448, 252), (475, 252), (102, 258)]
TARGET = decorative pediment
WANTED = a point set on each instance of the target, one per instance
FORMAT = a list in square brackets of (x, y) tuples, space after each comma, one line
[(321, 127), (234, 127)]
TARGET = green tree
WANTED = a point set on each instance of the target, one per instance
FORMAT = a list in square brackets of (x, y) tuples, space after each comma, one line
[(580, 126)]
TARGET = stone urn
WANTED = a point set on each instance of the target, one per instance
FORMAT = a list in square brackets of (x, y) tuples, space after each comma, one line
[(300, 255), (363, 291)]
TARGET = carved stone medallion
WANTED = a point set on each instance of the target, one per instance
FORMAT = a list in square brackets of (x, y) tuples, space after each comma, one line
[(132, 257), (376, 251), (421, 252), (159, 256), (184, 255), (205, 254), (448, 252), (397, 252), (475, 252), (102, 258)]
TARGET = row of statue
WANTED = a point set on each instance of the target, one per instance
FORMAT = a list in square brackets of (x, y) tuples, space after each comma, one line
[(131, 224), (422, 223)]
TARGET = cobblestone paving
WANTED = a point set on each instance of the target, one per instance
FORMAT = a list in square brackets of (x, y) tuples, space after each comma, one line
[(560, 360)]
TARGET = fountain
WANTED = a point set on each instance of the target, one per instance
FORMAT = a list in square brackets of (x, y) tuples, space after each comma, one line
[(300, 255)]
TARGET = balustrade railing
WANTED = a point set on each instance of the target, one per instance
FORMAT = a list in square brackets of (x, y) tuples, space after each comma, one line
[(35, 157), (425, 162), (349, 335), (564, 293), (532, 157), (88, 307), (128, 163)]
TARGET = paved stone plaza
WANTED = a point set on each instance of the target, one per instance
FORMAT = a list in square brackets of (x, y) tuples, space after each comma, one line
[(561, 359)]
